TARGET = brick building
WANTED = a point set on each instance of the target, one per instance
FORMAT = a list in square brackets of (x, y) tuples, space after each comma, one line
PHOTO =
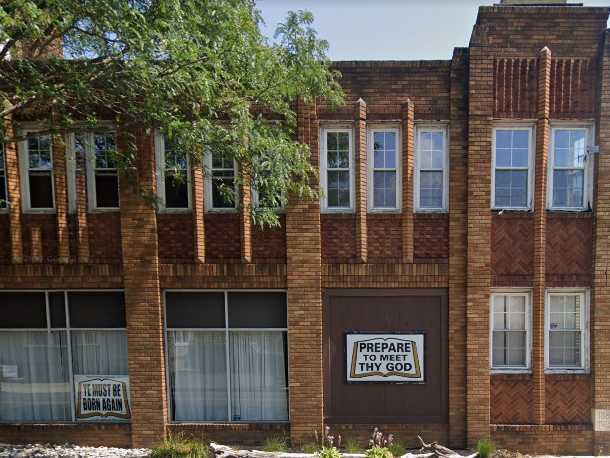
[(466, 201)]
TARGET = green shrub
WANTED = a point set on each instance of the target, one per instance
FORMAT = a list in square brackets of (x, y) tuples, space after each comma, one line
[(276, 444), (396, 449), (310, 447), (180, 446), (352, 446), (486, 448), (378, 452), (328, 452)]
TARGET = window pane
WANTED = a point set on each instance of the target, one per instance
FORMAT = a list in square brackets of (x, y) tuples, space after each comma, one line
[(503, 157), (39, 152), (564, 348), (195, 310), (3, 202), (511, 188), (499, 348), (332, 141), (223, 190), (99, 352), (57, 309), (35, 377), (258, 376), (97, 309), (431, 190), (568, 187), (198, 375), (176, 190), (106, 190), (504, 139), (105, 151), (257, 310), (41, 190), (23, 310), (384, 189), (338, 189), (570, 148)]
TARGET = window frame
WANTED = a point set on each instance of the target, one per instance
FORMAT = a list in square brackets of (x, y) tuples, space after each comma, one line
[(160, 166), (209, 199), (527, 293), (4, 208), (91, 170), (24, 175), (530, 128), (587, 200), (585, 323), (324, 169), (419, 128), (371, 168), (226, 329)]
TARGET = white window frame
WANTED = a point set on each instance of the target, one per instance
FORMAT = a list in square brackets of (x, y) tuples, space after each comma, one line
[(160, 165), (70, 140), (324, 169), (585, 297), (24, 176), (530, 169), (208, 200), (91, 169), (371, 169), (587, 200), (226, 330), (527, 293), (419, 129), (4, 209)]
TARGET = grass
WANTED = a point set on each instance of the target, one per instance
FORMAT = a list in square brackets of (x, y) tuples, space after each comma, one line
[(276, 444), (486, 448), (352, 446), (396, 449), (310, 447), (180, 446)]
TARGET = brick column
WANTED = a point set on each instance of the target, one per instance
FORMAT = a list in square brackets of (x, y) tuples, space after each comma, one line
[(61, 198), (600, 304), (541, 159), (197, 188), (479, 240), (11, 164), (35, 244), (361, 181), (143, 299), (305, 298), (245, 218), (408, 146), (458, 168), (82, 223)]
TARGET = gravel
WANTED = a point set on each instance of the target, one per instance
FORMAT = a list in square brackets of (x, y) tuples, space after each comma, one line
[(68, 450)]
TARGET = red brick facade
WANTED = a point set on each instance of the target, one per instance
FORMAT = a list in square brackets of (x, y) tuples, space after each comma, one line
[(525, 65)]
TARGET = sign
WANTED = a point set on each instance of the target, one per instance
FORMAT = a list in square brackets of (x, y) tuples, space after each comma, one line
[(389, 357), (102, 397)]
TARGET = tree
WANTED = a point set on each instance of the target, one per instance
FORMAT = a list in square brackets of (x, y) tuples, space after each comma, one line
[(201, 71)]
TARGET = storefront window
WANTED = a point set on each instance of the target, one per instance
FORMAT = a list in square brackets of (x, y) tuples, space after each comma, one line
[(227, 356)]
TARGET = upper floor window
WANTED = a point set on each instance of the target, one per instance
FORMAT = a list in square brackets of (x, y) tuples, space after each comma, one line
[(511, 178), (220, 181), (568, 171), (172, 176), (3, 191), (384, 166), (510, 327), (337, 170), (431, 174), (566, 330), (37, 181)]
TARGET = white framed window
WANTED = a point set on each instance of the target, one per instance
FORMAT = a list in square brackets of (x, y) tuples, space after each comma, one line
[(3, 184), (37, 186), (512, 174), (569, 170), (337, 169), (567, 330), (220, 180), (510, 331), (173, 177), (431, 180), (384, 169)]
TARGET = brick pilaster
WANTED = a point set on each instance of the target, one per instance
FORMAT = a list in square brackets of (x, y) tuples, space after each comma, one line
[(36, 244), (198, 206), (11, 164), (143, 299), (61, 198), (479, 239), (82, 222), (361, 181), (408, 146), (600, 304), (245, 218), (305, 298), (539, 193)]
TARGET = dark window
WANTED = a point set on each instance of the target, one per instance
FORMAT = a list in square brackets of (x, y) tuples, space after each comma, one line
[(57, 309), (106, 172), (257, 310), (195, 310), (106, 190), (223, 182), (176, 190), (2, 178), (23, 310), (41, 190), (97, 309), (40, 174)]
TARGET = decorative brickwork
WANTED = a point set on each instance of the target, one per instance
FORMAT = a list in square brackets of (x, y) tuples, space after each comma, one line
[(198, 211), (568, 399), (512, 398), (408, 146), (544, 439), (61, 198), (512, 249), (430, 237), (11, 164), (361, 181)]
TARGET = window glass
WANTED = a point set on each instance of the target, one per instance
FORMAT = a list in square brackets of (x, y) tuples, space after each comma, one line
[(175, 177), (430, 168), (223, 182), (3, 202), (195, 310), (384, 169), (509, 334), (568, 181), (40, 177), (97, 309), (106, 172), (338, 169), (511, 168), (257, 310), (565, 330), (23, 310), (57, 309)]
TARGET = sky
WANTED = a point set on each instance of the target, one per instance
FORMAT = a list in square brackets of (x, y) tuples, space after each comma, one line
[(387, 29)]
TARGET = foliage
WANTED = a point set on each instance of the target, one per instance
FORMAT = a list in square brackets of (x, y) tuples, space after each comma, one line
[(276, 444), (310, 447), (378, 452), (396, 448), (327, 438), (351, 445), (201, 71), (486, 448), (378, 439), (328, 452), (178, 446)]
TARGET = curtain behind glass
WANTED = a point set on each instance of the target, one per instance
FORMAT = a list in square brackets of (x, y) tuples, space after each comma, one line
[(34, 376), (99, 352), (258, 376), (198, 375)]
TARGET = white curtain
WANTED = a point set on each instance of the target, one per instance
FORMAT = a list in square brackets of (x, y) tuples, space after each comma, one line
[(99, 352), (34, 385), (258, 376), (198, 375)]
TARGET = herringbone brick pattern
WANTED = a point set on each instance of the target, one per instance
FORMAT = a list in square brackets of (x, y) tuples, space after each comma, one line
[(569, 245), (512, 245), (568, 399), (431, 236), (511, 399)]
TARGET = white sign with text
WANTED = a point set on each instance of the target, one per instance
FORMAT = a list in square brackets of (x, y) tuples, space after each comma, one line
[(102, 397)]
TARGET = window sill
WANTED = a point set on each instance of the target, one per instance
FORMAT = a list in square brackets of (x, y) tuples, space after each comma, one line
[(507, 371), (104, 210), (229, 423), (39, 211), (548, 371), (511, 210), (221, 210), (431, 210), (334, 211), (385, 210), (569, 210), (170, 211)]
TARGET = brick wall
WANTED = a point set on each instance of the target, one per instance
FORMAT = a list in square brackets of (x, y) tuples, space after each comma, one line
[(430, 237)]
